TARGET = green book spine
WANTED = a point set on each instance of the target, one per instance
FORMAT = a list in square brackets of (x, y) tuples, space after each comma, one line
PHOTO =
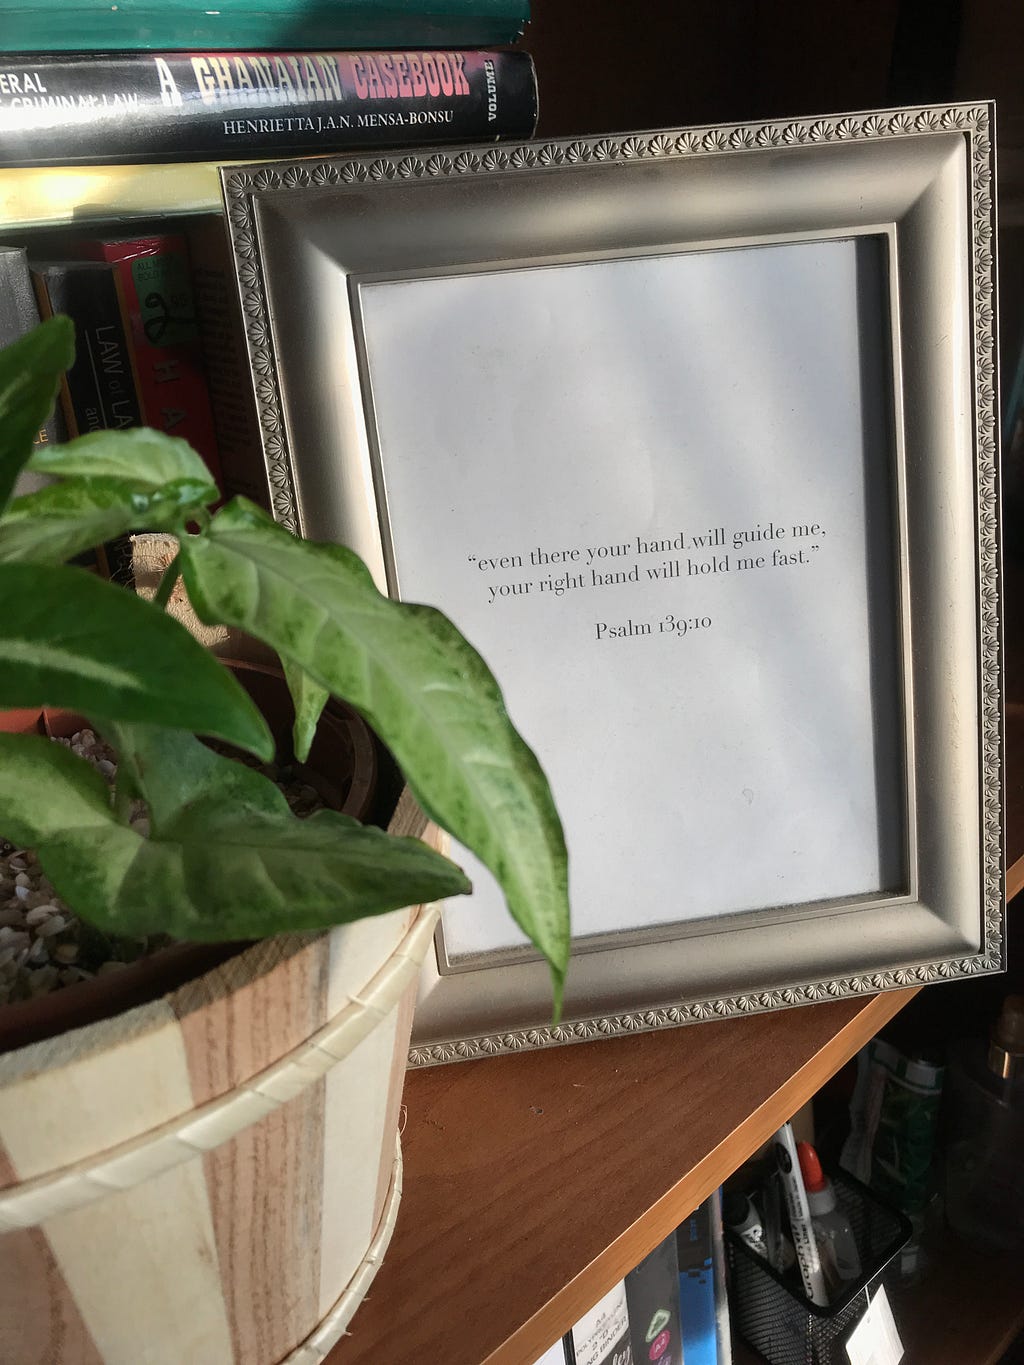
[(183, 25)]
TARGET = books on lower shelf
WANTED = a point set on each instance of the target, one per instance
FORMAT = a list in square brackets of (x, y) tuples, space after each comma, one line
[(140, 349), (139, 356), (97, 25), (125, 107), (153, 275), (671, 1309)]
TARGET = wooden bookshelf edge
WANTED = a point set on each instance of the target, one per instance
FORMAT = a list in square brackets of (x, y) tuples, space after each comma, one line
[(1014, 879), (621, 1255)]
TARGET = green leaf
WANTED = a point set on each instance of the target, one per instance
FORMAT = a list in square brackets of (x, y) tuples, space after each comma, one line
[(48, 791), (71, 639), (213, 874), (30, 374), (422, 687), (59, 521), (170, 770), (309, 699), (141, 457)]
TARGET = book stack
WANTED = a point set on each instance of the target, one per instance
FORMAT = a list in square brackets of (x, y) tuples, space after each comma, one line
[(97, 99), (388, 75), (139, 359)]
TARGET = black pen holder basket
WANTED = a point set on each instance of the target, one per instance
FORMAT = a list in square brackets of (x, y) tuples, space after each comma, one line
[(770, 1310)]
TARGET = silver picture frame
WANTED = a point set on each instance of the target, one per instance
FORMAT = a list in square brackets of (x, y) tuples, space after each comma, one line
[(884, 221)]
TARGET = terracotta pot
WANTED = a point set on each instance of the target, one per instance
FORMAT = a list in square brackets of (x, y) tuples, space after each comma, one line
[(212, 1176)]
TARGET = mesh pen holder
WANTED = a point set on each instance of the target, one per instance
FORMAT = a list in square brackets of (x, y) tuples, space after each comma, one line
[(770, 1310)]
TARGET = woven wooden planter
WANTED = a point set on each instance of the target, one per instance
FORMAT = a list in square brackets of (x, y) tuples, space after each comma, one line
[(212, 1177)]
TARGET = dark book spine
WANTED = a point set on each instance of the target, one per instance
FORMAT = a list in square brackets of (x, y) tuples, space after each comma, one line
[(98, 392), (652, 1298), (139, 107), (100, 388), (19, 313)]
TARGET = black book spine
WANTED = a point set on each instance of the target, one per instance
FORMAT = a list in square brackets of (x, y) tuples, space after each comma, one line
[(652, 1298), (142, 107), (100, 387)]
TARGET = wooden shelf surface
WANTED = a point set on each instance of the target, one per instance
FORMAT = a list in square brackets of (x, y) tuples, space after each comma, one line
[(967, 1311), (534, 1182)]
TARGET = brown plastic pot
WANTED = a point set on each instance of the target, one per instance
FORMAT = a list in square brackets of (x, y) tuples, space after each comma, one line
[(343, 767)]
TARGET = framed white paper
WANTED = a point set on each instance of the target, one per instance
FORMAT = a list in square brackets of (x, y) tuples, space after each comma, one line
[(692, 433)]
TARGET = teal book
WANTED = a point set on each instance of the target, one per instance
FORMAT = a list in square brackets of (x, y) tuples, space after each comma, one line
[(695, 1251), (186, 25)]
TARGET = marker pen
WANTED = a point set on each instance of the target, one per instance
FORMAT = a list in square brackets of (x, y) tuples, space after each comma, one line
[(779, 1248), (739, 1214), (800, 1226)]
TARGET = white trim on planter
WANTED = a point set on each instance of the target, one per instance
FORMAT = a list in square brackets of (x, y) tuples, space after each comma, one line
[(200, 1130)]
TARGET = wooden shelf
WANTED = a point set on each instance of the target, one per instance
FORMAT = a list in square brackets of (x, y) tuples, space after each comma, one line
[(968, 1309), (533, 1183)]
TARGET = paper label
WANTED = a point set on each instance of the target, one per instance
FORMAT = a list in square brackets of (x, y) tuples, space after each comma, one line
[(684, 560), (601, 1337), (875, 1340)]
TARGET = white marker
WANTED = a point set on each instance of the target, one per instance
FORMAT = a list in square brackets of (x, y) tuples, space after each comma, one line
[(801, 1230)]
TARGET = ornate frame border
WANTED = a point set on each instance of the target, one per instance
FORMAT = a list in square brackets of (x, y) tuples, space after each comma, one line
[(975, 122)]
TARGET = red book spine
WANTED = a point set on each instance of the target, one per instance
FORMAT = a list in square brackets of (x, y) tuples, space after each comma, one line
[(155, 287)]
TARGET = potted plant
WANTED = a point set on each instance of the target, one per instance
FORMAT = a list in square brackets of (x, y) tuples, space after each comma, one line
[(210, 1176)]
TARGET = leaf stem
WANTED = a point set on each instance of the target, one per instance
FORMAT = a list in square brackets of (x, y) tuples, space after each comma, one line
[(166, 585), (123, 798)]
